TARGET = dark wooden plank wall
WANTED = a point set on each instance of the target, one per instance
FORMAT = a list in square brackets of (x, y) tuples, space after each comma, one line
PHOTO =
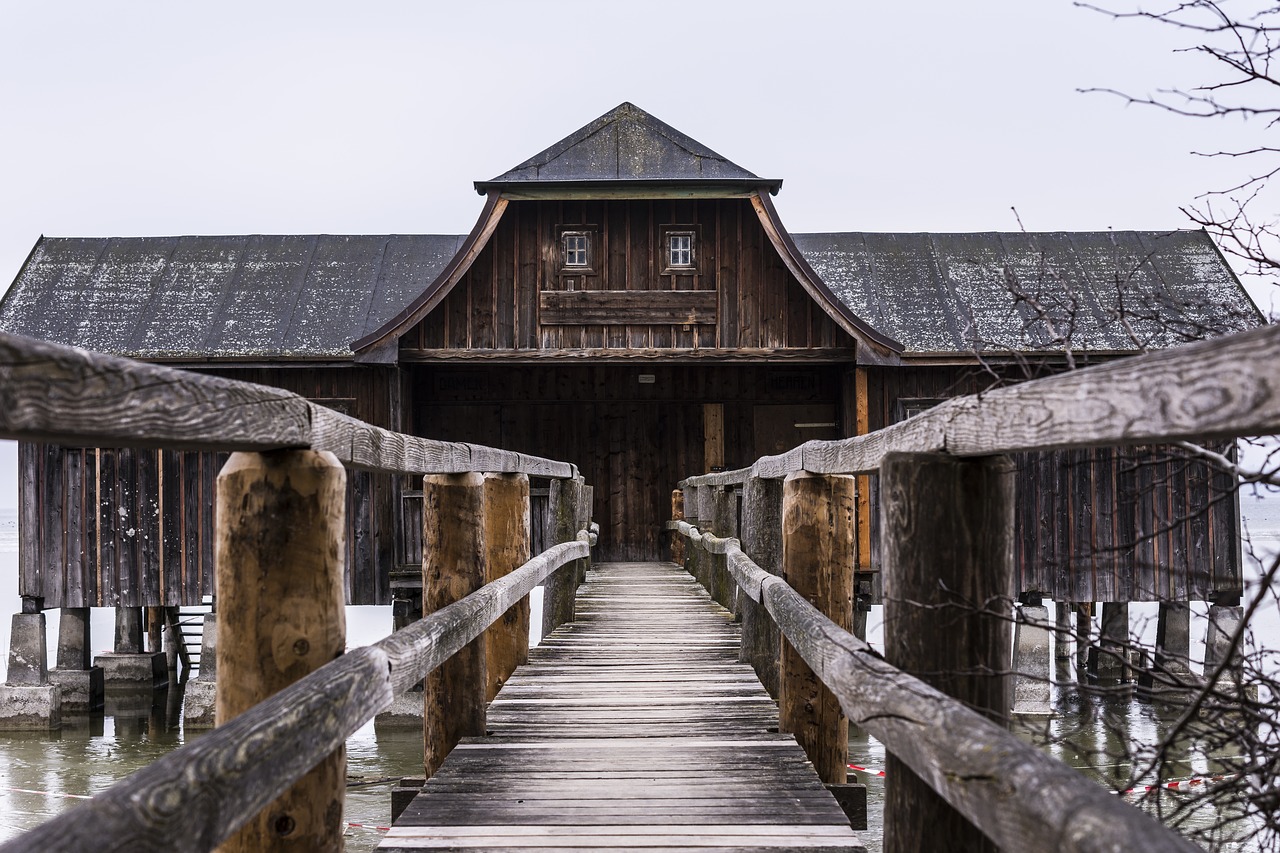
[(496, 304), (120, 527), (1127, 524), (631, 441)]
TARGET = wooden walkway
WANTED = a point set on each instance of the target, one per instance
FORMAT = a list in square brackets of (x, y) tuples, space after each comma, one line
[(632, 728)]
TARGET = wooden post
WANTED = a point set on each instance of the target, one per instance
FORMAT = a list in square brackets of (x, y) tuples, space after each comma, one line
[(706, 522), (818, 556), (948, 557), (279, 556), (506, 537), (762, 542), (724, 503), (695, 558), (1113, 641), (453, 558), (559, 589), (677, 514), (1084, 633)]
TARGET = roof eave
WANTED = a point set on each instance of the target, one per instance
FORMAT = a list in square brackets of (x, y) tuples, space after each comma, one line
[(631, 188)]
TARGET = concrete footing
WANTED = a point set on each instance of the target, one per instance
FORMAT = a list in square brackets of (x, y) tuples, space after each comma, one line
[(405, 712), (1032, 690), (1113, 642), (1224, 621), (201, 693), (130, 670), (81, 682), (28, 702)]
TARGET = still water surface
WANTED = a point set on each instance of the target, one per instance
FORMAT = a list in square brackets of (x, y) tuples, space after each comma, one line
[(44, 774)]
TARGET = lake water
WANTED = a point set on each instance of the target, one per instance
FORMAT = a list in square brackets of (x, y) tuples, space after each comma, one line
[(44, 774)]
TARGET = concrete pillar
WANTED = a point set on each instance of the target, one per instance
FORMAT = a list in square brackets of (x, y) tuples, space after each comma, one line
[(1224, 621), (406, 709), (80, 680), (1032, 694), (1062, 632), (1173, 639), (1084, 633), (1113, 642), (129, 667), (200, 697), (28, 702)]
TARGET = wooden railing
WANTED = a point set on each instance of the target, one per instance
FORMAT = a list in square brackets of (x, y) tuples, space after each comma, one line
[(204, 793), (955, 775)]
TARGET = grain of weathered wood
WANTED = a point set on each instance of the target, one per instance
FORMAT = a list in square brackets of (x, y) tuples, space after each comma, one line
[(453, 567), (762, 542), (559, 591), (506, 537), (948, 548), (650, 307), (279, 556), (818, 537)]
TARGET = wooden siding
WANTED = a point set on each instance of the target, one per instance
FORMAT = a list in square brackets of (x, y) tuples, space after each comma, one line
[(1127, 524), (517, 298), (116, 527), (631, 441)]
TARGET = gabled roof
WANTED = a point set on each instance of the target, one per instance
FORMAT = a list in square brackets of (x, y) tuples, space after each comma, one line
[(197, 298), (627, 146), (1110, 291)]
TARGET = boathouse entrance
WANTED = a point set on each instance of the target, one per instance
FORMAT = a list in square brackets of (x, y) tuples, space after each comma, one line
[(632, 429)]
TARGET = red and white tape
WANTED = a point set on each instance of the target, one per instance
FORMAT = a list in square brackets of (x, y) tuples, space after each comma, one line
[(367, 826), (870, 771)]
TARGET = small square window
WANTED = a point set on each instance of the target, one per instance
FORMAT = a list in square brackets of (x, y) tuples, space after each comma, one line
[(679, 250), (577, 250)]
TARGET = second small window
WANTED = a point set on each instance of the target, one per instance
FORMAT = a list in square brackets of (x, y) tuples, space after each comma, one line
[(679, 250)]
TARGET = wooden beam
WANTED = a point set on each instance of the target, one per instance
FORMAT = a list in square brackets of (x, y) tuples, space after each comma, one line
[(817, 562), (506, 537), (280, 541), (643, 307), (712, 436), (948, 553), (453, 567), (665, 355)]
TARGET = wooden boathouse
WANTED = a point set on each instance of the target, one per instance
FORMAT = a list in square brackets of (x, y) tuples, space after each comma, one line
[(630, 302)]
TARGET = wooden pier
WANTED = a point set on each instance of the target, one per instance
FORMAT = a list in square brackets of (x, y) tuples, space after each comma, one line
[(633, 726)]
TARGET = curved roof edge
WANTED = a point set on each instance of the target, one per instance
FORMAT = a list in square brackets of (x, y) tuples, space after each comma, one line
[(378, 347), (877, 348)]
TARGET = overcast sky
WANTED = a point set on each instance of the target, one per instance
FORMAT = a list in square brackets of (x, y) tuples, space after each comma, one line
[(225, 118)]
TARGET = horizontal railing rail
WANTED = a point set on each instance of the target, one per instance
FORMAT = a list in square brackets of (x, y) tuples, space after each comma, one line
[(1224, 388), (65, 395), (1018, 796)]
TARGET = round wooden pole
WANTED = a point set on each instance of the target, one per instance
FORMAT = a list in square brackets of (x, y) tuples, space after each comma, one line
[(948, 560), (453, 567), (677, 514), (506, 537), (818, 556), (279, 555)]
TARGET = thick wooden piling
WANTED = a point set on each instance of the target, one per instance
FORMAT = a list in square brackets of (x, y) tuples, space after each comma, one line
[(279, 555), (506, 538), (947, 542), (453, 566), (762, 542), (724, 523), (818, 556), (558, 590)]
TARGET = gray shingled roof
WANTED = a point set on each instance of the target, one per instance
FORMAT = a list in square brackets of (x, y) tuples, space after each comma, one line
[(309, 297), (1110, 290), (627, 144), (301, 297)]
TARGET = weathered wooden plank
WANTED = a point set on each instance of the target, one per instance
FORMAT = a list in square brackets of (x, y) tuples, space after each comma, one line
[(648, 307)]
